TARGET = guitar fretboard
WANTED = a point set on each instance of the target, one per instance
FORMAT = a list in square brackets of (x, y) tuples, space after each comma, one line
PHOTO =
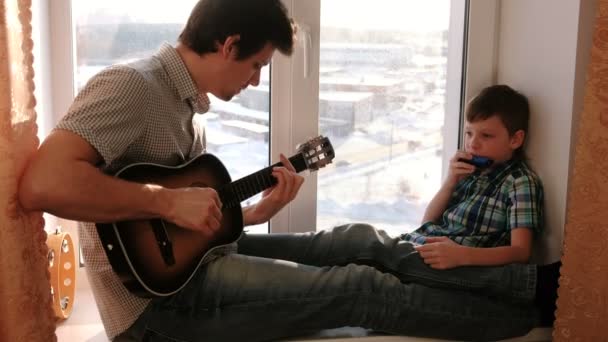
[(234, 193)]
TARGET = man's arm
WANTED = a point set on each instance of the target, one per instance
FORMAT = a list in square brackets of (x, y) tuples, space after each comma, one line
[(443, 253), (62, 179)]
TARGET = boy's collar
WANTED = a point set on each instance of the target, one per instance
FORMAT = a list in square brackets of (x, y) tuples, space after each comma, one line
[(496, 170)]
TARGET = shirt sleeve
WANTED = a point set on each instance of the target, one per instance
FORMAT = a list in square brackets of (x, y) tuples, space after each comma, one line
[(525, 209), (109, 112)]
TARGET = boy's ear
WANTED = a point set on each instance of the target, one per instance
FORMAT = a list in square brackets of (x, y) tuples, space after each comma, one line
[(517, 139), (229, 49)]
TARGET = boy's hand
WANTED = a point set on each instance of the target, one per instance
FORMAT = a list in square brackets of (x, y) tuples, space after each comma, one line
[(441, 253), (459, 169)]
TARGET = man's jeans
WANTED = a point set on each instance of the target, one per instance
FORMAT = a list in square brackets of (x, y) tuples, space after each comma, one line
[(282, 285)]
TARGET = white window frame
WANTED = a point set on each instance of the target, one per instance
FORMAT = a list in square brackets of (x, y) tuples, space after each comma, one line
[(58, 37), (294, 85)]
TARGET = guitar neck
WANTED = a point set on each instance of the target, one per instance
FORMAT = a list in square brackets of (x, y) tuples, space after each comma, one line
[(234, 193)]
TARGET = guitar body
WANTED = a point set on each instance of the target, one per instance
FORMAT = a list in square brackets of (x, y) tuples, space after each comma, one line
[(157, 258), (132, 246)]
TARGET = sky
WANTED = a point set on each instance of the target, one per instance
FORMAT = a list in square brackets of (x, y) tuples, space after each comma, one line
[(410, 15)]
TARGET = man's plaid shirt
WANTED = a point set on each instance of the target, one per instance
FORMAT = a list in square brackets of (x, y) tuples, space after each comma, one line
[(485, 207)]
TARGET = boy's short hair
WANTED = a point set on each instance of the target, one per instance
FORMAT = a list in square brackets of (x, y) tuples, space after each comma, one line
[(257, 22), (509, 105)]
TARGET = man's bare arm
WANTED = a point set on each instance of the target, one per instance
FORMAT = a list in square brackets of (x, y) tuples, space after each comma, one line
[(62, 179)]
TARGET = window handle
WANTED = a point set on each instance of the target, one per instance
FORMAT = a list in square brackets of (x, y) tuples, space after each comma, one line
[(305, 39)]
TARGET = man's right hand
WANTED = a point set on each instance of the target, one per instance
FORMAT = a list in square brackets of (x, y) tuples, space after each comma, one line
[(198, 209), (62, 178)]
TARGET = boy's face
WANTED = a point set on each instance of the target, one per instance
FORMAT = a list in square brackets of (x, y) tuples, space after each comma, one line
[(490, 138), (239, 74)]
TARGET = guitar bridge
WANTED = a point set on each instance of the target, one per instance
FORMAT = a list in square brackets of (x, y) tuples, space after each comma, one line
[(163, 242)]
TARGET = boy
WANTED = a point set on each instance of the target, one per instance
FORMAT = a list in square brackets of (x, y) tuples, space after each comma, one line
[(485, 216)]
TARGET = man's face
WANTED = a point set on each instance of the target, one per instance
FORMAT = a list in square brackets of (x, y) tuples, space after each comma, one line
[(490, 138), (239, 74)]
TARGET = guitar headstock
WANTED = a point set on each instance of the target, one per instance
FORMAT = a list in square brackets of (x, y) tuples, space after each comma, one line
[(317, 152)]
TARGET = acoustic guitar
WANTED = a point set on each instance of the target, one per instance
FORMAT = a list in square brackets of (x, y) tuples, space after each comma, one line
[(157, 258)]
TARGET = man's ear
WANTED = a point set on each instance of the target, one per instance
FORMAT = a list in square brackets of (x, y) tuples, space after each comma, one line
[(229, 49), (517, 139)]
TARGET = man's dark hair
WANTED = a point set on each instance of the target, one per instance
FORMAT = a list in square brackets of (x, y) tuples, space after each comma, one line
[(257, 22), (509, 105)]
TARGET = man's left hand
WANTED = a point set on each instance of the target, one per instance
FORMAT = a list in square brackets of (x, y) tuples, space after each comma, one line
[(276, 197)]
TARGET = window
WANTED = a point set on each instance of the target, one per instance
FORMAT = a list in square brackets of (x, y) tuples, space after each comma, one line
[(382, 95), (386, 88)]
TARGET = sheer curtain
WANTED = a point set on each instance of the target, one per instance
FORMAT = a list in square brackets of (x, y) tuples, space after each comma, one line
[(25, 301), (583, 293)]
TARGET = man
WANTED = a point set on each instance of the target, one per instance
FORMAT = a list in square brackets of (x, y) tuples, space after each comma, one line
[(142, 112)]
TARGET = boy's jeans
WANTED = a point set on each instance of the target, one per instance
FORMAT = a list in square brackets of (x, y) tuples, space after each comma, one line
[(288, 284)]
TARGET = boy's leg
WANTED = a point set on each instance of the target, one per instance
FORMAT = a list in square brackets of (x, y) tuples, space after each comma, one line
[(243, 298), (362, 244)]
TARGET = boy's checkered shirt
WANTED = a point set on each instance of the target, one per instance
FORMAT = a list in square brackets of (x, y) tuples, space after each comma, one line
[(484, 208)]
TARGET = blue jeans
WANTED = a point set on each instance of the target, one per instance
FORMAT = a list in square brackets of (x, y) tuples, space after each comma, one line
[(283, 285)]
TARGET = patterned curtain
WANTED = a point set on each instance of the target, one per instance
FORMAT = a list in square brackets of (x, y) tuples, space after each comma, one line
[(25, 301), (583, 294)]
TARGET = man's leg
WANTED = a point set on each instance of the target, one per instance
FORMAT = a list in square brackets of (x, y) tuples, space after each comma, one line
[(364, 245), (243, 298)]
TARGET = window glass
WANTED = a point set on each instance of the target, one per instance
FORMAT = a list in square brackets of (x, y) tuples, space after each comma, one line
[(382, 95)]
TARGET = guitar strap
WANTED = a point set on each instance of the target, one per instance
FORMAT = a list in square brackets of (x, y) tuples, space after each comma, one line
[(162, 239)]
